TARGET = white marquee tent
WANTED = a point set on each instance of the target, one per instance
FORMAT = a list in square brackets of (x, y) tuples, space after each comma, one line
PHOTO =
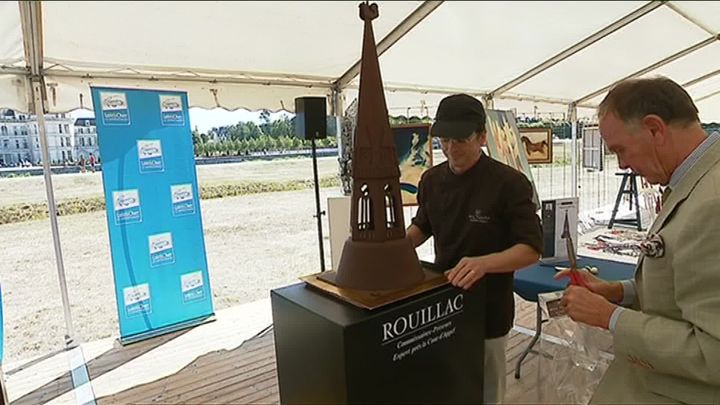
[(264, 54), (554, 56)]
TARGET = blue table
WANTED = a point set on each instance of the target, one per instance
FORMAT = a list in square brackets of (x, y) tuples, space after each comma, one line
[(538, 279)]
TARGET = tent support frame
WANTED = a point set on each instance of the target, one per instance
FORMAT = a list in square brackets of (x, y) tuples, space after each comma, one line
[(31, 15), (572, 50), (413, 19), (697, 23), (650, 68), (572, 114)]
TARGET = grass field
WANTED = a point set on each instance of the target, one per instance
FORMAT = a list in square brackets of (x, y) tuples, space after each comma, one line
[(254, 243)]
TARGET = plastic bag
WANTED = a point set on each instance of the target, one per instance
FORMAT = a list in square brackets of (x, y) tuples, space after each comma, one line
[(574, 356)]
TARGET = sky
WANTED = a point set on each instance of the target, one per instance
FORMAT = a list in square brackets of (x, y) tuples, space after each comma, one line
[(204, 119)]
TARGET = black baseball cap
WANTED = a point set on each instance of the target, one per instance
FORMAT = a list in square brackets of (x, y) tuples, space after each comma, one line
[(458, 116)]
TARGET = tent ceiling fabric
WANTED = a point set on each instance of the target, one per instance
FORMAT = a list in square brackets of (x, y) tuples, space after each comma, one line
[(704, 12), (306, 38), (11, 45), (483, 45), (264, 54), (630, 49)]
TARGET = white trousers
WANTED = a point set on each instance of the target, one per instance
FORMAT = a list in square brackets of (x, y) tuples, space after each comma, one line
[(495, 370)]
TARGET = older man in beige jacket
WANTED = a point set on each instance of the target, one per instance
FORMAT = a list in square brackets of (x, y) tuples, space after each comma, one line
[(665, 322)]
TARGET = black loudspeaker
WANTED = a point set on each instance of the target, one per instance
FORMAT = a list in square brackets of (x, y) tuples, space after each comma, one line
[(310, 117)]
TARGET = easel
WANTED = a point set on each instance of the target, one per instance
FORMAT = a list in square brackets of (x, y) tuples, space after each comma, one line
[(627, 186)]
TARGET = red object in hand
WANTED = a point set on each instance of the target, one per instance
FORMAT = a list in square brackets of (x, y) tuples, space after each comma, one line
[(576, 279)]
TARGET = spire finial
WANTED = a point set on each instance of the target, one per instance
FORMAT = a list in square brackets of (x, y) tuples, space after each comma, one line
[(368, 12)]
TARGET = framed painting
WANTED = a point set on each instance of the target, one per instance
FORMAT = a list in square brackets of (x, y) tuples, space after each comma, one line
[(503, 144), (537, 144), (592, 148), (414, 152)]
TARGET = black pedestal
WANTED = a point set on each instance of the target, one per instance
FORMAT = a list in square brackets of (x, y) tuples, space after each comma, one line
[(426, 349)]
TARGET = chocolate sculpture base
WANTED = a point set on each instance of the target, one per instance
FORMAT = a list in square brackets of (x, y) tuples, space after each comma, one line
[(373, 299), (426, 348)]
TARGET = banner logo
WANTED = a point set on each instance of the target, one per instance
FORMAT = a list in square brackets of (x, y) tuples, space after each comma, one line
[(126, 206), (192, 286), (161, 249), (150, 156), (171, 110), (183, 202), (114, 108), (137, 300)]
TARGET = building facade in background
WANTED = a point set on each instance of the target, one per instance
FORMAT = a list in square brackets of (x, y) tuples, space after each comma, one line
[(69, 139), (85, 138)]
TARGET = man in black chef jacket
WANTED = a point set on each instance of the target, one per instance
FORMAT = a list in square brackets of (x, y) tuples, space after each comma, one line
[(483, 220)]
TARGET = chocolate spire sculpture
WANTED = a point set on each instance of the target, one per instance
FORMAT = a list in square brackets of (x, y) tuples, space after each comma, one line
[(377, 256)]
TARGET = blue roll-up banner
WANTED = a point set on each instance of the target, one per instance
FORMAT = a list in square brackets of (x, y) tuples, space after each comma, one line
[(153, 211)]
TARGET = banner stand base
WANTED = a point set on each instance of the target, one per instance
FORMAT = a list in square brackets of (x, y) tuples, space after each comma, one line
[(167, 329)]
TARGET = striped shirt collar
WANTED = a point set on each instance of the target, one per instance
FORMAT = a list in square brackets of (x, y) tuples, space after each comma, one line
[(690, 161)]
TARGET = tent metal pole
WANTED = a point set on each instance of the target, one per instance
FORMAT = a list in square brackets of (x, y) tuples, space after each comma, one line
[(336, 107), (336, 110), (701, 78), (90, 75), (12, 70), (52, 209), (55, 66), (697, 23), (572, 113), (31, 12), (489, 102), (707, 96), (390, 87), (687, 84)]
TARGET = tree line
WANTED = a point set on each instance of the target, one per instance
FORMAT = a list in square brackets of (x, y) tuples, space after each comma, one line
[(245, 138), (278, 135)]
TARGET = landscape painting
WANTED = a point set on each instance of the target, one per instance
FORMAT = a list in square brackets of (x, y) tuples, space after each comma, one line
[(414, 151)]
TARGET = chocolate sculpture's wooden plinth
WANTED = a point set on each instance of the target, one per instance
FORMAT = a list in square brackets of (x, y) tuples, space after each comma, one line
[(373, 299)]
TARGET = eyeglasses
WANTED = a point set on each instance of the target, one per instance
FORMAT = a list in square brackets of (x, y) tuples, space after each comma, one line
[(461, 141)]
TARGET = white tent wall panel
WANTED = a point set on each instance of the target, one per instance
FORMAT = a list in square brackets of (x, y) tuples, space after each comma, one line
[(649, 39), (317, 38)]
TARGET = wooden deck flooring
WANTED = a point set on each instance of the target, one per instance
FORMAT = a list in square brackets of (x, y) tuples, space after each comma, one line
[(243, 374)]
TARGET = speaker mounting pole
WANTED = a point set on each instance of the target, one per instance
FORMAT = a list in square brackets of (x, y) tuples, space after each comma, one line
[(311, 124), (318, 212)]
